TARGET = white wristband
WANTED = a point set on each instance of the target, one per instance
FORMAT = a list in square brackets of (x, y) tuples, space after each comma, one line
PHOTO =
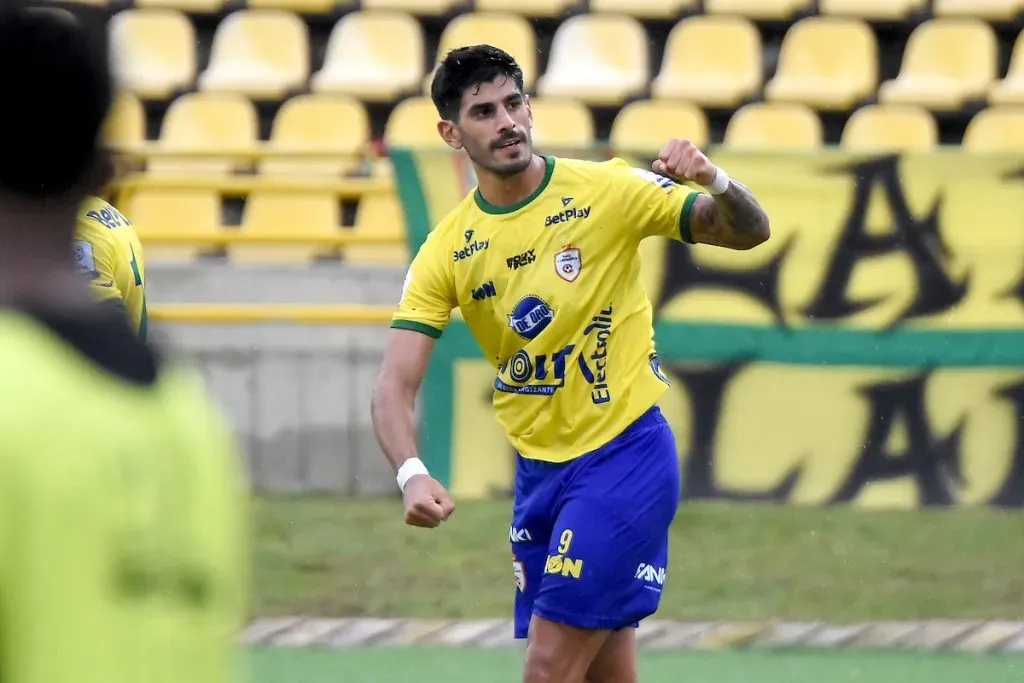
[(409, 469), (720, 184)]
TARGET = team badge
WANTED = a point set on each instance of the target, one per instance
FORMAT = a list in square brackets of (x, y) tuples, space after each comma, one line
[(520, 572), (568, 263)]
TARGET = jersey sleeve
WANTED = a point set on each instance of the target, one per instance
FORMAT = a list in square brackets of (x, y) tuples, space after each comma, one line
[(95, 254), (655, 206), (428, 295)]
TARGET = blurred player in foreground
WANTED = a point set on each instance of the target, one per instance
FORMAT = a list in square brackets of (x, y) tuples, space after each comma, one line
[(107, 250), (123, 549), (542, 258)]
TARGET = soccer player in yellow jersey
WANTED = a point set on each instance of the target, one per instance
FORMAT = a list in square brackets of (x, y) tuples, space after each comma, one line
[(107, 250), (123, 543), (542, 259)]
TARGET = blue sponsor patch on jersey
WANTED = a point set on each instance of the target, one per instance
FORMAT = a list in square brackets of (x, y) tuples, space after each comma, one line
[(530, 317)]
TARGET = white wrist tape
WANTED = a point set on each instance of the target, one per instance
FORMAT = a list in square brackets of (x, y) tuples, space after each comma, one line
[(409, 469), (720, 184)]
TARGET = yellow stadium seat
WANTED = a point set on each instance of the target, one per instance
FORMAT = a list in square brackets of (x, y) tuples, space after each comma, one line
[(126, 122), (876, 10), (509, 32), (166, 210), (1010, 90), (300, 6), (713, 61), (322, 123), (375, 56), (413, 123), (306, 213), (890, 128), (600, 59), (827, 63), (263, 54), (759, 9), (946, 63), (379, 214), (154, 51), (991, 10), (215, 122), (529, 8), (996, 129), (645, 126), (645, 9), (419, 7), (561, 124), (191, 6), (768, 126)]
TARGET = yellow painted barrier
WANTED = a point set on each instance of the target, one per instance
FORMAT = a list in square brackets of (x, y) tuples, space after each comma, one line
[(243, 314)]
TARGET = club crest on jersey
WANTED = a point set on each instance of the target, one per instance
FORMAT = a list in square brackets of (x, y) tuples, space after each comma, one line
[(530, 317), (568, 263)]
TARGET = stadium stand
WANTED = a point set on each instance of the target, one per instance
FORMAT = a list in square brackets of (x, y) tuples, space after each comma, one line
[(890, 128), (510, 32), (711, 61), (947, 62), (645, 125), (220, 124), (376, 56), (995, 130), (1010, 90), (767, 126), (337, 125), (760, 9), (597, 59), (214, 92), (874, 10), (263, 54), (154, 51), (828, 63)]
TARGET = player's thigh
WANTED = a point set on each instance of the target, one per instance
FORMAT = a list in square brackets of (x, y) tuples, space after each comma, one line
[(558, 653), (615, 662)]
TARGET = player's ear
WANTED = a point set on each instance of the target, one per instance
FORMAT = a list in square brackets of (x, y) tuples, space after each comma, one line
[(449, 132)]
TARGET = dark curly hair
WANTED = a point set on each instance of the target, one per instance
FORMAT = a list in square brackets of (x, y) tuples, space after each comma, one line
[(468, 67)]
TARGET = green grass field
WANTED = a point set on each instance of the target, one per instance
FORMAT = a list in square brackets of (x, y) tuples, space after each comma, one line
[(336, 557), (380, 665)]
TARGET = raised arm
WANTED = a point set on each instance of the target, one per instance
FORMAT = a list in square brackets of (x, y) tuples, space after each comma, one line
[(730, 217)]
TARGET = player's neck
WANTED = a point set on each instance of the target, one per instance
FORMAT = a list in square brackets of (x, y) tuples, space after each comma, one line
[(507, 190)]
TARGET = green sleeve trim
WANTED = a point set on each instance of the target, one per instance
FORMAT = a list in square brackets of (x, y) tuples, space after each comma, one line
[(416, 327), (685, 233)]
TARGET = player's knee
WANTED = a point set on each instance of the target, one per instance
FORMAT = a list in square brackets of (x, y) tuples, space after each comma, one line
[(546, 663)]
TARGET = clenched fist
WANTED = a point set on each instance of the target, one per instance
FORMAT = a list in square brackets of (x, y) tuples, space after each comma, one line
[(681, 160), (427, 503)]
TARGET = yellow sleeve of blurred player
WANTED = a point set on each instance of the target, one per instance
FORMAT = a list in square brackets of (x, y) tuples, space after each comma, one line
[(94, 252)]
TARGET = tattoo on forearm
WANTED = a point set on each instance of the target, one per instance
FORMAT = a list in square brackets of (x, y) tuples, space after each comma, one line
[(733, 219)]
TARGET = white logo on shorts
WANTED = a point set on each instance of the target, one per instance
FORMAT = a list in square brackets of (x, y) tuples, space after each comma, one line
[(651, 574), (520, 572)]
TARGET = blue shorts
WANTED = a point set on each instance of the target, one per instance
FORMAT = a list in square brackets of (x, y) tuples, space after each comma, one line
[(590, 536)]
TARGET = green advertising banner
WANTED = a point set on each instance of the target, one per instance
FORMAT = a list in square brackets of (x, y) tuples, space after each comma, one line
[(872, 352)]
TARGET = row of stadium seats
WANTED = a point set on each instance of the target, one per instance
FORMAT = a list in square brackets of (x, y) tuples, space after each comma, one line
[(997, 10), (339, 126), (599, 59), (200, 212)]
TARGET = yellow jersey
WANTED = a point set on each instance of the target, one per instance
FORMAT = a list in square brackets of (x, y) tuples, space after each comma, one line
[(551, 290), (123, 512), (107, 250)]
